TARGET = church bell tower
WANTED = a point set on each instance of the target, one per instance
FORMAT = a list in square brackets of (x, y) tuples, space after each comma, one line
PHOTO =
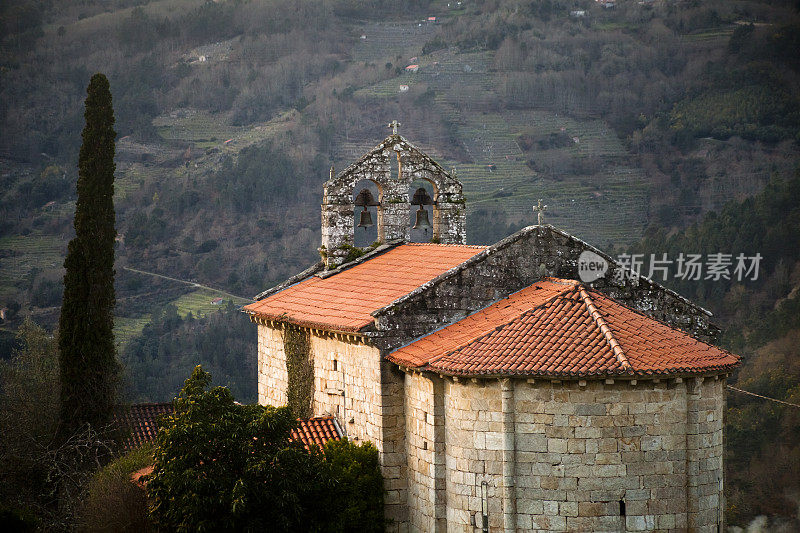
[(393, 167)]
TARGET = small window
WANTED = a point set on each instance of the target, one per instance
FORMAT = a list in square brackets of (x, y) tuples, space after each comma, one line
[(622, 507), (335, 365)]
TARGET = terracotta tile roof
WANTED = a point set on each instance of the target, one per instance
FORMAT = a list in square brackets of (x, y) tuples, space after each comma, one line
[(142, 421), (345, 300), (317, 430), (560, 328)]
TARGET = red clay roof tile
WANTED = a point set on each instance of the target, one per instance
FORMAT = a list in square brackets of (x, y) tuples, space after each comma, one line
[(317, 430), (559, 327), (142, 421), (345, 300)]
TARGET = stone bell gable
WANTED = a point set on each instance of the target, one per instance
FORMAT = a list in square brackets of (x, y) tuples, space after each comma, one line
[(393, 166)]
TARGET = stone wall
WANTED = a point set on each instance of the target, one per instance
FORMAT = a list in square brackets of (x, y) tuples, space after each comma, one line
[(705, 452), (352, 383), (426, 453), (515, 263), (347, 384), (578, 450), (273, 381)]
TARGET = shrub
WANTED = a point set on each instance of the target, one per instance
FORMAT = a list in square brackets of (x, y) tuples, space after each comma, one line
[(113, 502)]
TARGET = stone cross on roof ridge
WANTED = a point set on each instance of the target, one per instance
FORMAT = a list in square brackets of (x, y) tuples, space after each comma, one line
[(539, 210), (394, 125)]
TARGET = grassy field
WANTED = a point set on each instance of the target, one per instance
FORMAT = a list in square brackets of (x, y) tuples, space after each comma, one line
[(21, 256), (712, 35), (203, 130), (199, 127), (199, 303), (126, 328)]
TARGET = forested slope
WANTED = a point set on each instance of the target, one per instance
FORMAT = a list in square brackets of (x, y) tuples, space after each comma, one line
[(761, 321)]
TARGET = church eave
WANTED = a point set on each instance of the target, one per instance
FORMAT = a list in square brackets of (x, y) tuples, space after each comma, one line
[(623, 375), (322, 329)]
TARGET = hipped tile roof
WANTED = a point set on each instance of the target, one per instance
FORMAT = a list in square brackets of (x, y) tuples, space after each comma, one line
[(142, 422), (560, 328), (345, 300)]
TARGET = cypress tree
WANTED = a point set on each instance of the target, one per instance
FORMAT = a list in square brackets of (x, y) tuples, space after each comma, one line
[(89, 367)]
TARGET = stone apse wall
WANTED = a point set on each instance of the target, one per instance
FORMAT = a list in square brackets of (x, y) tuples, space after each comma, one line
[(563, 456), (556, 456)]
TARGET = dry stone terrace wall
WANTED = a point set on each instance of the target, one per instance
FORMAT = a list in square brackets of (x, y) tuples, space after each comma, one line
[(513, 264), (449, 215), (576, 452)]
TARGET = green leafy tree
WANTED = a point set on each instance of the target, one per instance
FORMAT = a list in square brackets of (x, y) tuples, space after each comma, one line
[(221, 466), (357, 502), (28, 420), (89, 368)]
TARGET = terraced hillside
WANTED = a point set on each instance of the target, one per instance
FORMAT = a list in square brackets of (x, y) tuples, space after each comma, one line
[(21, 257), (605, 201), (382, 41)]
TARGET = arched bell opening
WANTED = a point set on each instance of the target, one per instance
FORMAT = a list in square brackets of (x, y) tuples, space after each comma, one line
[(422, 214), (366, 212)]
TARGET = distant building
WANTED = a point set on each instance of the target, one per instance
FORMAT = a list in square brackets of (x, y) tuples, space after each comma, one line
[(412, 68)]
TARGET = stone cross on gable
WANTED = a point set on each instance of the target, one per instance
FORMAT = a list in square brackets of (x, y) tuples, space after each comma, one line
[(394, 125), (540, 209)]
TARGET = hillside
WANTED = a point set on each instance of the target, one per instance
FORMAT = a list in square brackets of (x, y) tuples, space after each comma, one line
[(760, 316), (231, 113)]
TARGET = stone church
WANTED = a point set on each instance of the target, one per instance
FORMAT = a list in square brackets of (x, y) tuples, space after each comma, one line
[(502, 393)]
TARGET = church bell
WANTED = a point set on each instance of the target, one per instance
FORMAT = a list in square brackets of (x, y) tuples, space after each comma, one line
[(366, 219), (365, 200), (422, 198), (422, 221)]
